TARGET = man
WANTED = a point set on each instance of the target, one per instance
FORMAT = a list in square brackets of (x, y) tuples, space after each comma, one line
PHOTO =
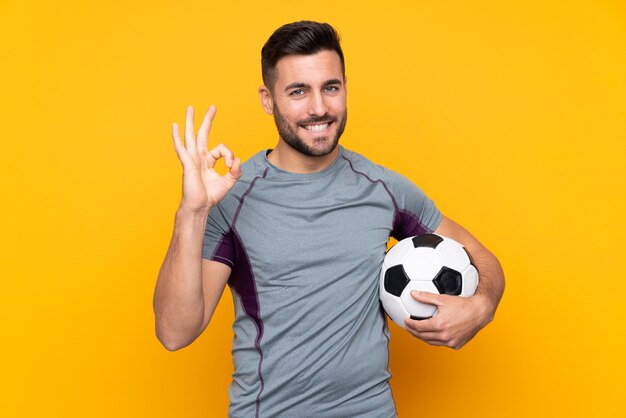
[(299, 233)]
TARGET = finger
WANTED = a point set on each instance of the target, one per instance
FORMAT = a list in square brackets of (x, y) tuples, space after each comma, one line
[(178, 146), (205, 128), (233, 174), (425, 325), (429, 337), (190, 142), (427, 297), (218, 152)]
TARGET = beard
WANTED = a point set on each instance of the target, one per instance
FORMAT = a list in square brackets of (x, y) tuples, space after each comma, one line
[(321, 146)]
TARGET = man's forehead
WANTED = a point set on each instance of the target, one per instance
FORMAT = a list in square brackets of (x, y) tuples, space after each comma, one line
[(314, 68)]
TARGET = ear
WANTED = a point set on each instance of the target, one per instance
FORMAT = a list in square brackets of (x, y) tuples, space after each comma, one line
[(266, 100)]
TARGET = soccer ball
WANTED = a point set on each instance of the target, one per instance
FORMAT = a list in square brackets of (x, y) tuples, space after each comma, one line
[(427, 262)]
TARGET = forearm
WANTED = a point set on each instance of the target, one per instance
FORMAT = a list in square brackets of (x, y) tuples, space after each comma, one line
[(178, 297), (491, 280)]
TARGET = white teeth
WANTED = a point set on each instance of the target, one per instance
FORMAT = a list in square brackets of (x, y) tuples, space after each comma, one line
[(317, 128)]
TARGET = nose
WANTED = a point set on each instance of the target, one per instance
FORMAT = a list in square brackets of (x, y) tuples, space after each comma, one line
[(317, 105)]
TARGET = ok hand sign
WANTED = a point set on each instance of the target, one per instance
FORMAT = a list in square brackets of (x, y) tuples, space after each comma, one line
[(203, 187)]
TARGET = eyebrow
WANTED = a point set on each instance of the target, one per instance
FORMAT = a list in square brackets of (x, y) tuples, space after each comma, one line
[(331, 82), (298, 85)]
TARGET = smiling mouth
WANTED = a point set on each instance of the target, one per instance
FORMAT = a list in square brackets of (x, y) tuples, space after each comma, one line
[(317, 127)]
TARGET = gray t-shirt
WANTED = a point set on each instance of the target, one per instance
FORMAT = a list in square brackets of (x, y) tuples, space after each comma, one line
[(311, 339)]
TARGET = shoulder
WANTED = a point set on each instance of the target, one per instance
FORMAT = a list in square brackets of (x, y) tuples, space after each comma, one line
[(375, 172), (254, 166), (362, 165)]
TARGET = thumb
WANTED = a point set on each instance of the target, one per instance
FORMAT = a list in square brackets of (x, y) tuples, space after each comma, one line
[(233, 173), (427, 297)]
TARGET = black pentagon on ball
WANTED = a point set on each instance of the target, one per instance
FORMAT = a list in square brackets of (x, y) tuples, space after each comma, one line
[(396, 280), (427, 241), (449, 281)]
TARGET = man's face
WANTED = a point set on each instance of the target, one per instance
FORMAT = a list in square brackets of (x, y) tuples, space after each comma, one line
[(309, 102)]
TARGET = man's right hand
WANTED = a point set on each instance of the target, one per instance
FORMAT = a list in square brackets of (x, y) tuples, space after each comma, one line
[(203, 187)]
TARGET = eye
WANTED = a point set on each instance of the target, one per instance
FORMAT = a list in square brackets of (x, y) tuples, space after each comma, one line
[(331, 89), (297, 92)]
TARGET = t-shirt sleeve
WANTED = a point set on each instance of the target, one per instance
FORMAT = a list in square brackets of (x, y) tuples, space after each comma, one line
[(218, 244), (415, 213)]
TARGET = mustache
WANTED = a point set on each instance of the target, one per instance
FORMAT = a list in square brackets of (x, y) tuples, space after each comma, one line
[(317, 119)]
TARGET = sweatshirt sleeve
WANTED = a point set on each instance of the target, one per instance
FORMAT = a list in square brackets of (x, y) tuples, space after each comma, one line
[(218, 243), (415, 213)]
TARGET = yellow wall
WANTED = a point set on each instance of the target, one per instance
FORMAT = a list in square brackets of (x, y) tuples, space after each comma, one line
[(510, 115)]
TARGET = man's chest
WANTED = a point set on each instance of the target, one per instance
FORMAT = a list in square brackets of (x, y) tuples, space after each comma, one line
[(287, 239)]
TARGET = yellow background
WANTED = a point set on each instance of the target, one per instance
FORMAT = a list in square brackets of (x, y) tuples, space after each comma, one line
[(510, 115)]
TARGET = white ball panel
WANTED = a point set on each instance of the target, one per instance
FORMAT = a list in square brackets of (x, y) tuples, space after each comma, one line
[(396, 253), (394, 308), (422, 264), (414, 307), (470, 281), (453, 255)]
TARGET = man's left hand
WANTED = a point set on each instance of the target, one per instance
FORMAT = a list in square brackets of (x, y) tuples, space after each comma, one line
[(456, 321)]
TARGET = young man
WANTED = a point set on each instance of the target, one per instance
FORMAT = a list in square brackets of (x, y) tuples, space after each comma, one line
[(299, 233)]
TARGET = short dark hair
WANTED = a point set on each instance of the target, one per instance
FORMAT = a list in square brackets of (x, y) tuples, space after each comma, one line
[(298, 38)]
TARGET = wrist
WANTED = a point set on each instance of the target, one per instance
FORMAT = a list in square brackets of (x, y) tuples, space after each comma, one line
[(187, 212), (485, 308)]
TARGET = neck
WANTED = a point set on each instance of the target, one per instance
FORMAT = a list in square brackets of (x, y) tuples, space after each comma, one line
[(288, 159)]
